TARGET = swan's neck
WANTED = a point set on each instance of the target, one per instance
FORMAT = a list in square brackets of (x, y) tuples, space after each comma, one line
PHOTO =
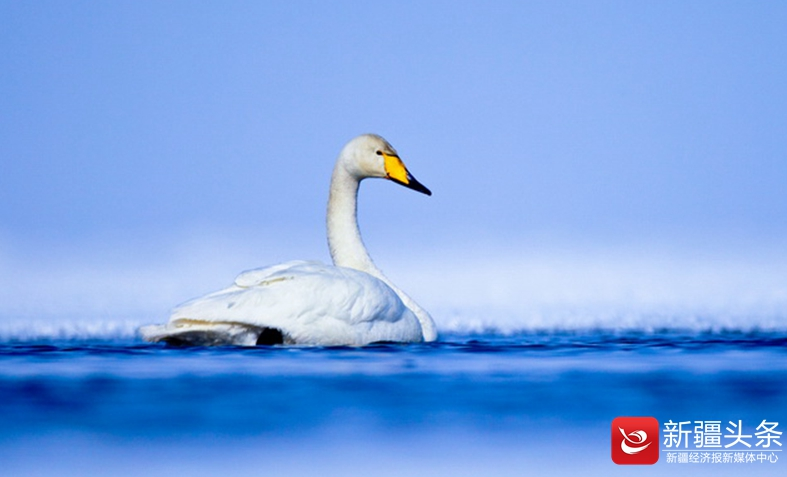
[(344, 237), (347, 248)]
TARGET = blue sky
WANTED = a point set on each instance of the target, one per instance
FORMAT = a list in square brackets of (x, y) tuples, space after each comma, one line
[(135, 128)]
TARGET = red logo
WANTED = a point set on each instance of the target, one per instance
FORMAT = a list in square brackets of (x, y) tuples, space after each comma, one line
[(635, 440)]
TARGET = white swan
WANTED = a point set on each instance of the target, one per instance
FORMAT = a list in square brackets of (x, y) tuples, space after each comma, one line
[(300, 302)]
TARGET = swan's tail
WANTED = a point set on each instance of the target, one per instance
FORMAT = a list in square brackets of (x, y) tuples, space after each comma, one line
[(204, 333)]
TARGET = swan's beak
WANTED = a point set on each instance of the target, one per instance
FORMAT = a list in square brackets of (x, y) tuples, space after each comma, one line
[(395, 170)]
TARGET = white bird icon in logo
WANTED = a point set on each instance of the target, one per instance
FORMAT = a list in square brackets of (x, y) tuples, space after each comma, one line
[(636, 438)]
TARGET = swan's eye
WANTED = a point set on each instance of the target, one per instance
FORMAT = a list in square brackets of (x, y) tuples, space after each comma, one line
[(379, 153)]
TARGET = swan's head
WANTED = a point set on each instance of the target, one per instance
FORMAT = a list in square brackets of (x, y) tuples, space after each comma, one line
[(370, 155)]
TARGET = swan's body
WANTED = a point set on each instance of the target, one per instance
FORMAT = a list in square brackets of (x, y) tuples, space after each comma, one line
[(300, 302)]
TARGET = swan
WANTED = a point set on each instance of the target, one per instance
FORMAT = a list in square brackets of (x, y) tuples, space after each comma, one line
[(305, 302)]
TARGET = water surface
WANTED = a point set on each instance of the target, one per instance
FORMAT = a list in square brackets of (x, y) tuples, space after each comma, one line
[(490, 403)]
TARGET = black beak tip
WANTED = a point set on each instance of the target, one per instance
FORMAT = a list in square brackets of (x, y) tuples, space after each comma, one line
[(417, 186), (413, 184)]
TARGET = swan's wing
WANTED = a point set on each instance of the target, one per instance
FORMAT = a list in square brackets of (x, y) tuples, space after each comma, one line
[(259, 276), (309, 302)]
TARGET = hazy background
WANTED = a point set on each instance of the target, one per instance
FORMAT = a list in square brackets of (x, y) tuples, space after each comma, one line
[(592, 163)]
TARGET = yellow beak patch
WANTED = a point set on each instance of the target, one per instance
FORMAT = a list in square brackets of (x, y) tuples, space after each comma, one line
[(395, 169)]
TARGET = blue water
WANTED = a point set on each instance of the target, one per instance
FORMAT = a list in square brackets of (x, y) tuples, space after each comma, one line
[(470, 404)]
